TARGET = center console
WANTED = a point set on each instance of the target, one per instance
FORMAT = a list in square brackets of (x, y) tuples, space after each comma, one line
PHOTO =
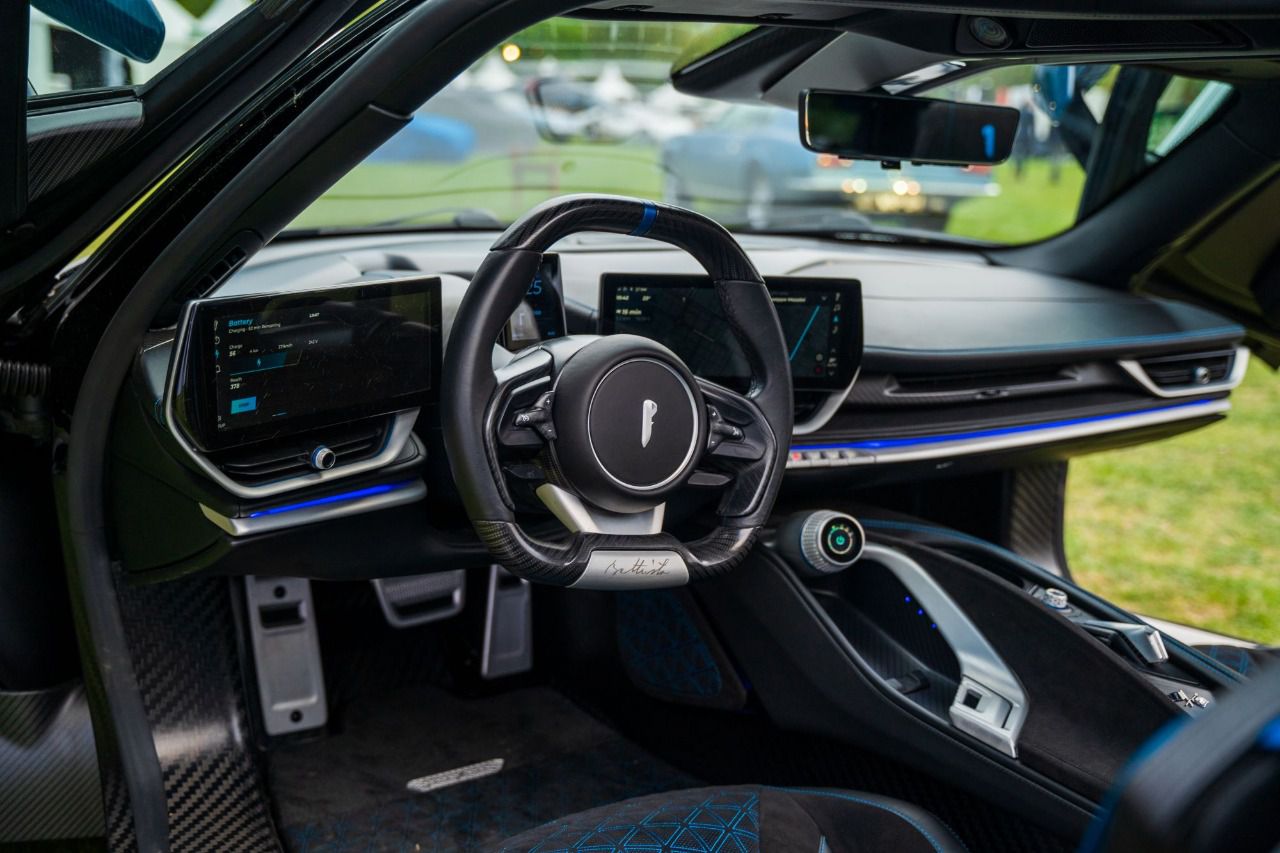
[(877, 629)]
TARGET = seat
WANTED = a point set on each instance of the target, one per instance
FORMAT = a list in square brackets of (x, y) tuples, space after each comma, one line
[(743, 819)]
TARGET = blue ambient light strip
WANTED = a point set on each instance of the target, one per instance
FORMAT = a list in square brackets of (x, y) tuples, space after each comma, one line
[(333, 499), (885, 443)]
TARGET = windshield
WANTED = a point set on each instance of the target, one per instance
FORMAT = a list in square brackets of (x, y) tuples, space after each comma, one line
[(587, 106)]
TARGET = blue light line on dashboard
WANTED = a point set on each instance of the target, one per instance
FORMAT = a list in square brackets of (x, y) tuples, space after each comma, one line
[(647, 219), (380, 489), (804, 334), (884, 443)]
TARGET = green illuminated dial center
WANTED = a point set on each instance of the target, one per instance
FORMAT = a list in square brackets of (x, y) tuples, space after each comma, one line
[(839, 540)]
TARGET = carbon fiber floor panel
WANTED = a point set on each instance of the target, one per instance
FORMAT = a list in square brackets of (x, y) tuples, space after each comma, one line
[(349, 791)]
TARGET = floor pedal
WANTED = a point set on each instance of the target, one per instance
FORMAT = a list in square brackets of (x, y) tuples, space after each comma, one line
[(286, 654), (508, 626), (419, 599)]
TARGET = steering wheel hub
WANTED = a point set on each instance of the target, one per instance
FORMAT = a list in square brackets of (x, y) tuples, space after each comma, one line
[(636, 408)]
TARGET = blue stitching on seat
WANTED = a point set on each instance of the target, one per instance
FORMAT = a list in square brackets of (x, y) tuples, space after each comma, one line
[(692, 828), (851, 798)]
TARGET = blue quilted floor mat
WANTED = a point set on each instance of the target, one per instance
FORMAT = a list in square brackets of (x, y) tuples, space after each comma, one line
[(349, 792)]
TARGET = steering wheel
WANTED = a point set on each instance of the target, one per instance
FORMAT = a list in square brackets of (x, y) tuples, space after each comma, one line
[(619, 422)]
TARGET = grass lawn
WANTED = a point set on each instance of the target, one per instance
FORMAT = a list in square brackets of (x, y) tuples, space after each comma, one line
[(432, 193), (1186, 529), (1030, 207)]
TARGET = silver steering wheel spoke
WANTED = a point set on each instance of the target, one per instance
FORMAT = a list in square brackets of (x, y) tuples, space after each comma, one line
[(581, 516)]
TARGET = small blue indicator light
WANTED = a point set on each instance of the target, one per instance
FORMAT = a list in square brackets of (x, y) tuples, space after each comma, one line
[(919, 612), (933, 625), (907, 599)]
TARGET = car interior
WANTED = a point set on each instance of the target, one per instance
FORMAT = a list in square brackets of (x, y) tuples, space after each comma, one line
[(550, 516)]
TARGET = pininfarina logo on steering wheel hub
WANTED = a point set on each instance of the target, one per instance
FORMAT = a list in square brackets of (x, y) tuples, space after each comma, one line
[(648, 410)]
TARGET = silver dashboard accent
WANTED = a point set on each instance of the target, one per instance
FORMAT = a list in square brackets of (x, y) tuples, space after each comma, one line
[(575, 514), (827, 410), (1031, 438), (620, 570), (1239, 367), (245, 526), (990, 704), (399, 436)]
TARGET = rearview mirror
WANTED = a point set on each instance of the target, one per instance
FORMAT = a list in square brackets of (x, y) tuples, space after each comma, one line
[(861, 126), (131, 27)]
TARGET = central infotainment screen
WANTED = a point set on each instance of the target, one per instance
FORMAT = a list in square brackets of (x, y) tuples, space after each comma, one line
[(256, 365), (821, 321)]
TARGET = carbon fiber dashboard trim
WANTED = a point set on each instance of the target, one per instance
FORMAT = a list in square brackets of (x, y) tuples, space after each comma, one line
[(1036, 499)]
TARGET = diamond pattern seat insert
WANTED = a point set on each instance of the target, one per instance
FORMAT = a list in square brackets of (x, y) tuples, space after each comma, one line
[(743, 819)]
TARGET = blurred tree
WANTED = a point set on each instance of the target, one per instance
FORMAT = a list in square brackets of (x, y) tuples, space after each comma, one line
[(196, 7)]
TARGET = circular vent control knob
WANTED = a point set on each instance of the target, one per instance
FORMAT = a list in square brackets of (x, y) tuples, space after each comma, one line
[(822, 542), (322, 458)]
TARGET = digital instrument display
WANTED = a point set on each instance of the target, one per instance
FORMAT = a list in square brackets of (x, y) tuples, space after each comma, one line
[(257, 366), (821, 321), (540, 316)]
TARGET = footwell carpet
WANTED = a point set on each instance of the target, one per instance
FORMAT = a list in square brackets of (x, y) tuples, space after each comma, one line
[(352, 790)]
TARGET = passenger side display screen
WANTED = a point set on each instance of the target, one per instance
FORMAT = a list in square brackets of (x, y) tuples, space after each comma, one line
[(260, 366), (821, 321)]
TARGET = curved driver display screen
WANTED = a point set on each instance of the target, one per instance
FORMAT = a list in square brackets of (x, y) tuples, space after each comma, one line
[(821, 321), (257, 366)]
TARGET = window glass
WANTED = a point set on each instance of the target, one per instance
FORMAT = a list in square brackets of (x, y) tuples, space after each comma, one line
[(1185, 529), (588, 106), (61, 59)]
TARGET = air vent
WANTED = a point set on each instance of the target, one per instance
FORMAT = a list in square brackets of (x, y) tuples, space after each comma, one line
[(985, 384), (220, 270), (1189, 371), (268, 461)]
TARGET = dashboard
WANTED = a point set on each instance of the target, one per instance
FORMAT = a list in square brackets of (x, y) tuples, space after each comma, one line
[(303, 389)]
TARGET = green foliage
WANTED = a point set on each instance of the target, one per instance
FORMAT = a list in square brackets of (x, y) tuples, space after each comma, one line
[(196, 7)]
